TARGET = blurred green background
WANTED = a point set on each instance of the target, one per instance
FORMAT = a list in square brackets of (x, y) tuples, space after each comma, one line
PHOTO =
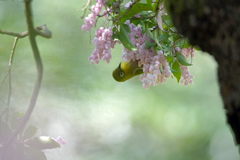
[(99, 118)]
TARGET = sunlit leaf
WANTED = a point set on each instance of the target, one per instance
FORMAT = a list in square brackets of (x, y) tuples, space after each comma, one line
[(42, 143), (177, 71), (137, 8), (30, 132), (170, 58), (123, 36), (149, 2), (182, 60)]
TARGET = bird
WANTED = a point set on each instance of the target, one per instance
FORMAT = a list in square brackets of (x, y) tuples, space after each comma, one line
[(126, 70)]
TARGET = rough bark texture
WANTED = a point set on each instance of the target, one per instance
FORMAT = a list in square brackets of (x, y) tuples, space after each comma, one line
[(214, 25)]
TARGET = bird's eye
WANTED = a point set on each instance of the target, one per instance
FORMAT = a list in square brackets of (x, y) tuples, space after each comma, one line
[(121, 74)]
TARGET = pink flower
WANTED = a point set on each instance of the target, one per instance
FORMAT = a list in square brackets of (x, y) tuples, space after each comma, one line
[(187, 77), (188, 52), (96, 9), (103, 43), (60, 141)]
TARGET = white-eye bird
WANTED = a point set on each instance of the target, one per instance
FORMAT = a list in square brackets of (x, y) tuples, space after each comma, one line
[(126, 70)]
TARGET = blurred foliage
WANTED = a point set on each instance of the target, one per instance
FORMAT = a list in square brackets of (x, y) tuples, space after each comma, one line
[(25, 146), (99, 117)]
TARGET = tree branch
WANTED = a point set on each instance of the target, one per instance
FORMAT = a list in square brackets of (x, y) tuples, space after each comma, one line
[(32, 35), (46, 33), (9, 71)]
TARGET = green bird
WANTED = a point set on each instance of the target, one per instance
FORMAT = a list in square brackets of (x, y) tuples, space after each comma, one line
[(126, 70)]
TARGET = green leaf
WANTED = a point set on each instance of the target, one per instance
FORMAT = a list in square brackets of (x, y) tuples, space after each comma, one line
[(137, 8), (155, 35), (183, 44), (149, 44), (169, 23), (176, 37), (163, 37), (182, 60), (30, 132), (197, 48), (170, 58), (42, 142), (123, 36), (126, 27), (149, 2), (115, 36), (146, 29), (177, 71), (155, 5)]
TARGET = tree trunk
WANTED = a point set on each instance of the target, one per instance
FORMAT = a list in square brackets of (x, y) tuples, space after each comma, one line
[(214, 25)]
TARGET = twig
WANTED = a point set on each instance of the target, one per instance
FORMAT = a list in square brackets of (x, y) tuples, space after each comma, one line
[(9, 71), (32, 35), (46, 33), (85, 8)]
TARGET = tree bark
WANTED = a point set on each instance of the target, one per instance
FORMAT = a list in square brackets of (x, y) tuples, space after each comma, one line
[(214, 25)]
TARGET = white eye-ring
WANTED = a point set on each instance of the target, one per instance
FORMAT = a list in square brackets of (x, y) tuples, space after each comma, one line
[(121, 74)]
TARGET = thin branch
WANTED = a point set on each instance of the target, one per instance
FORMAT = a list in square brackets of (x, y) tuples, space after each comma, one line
[(9, 71), (32, 36), (85, 8), (46, 33)]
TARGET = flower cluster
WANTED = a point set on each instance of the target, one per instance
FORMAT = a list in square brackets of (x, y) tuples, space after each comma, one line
[(155, 66), (103, 44), (188, 52), (187, 77), (90, 20), (156, 71)]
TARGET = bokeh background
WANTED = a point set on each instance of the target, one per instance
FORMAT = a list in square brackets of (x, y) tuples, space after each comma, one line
[(99, 118)]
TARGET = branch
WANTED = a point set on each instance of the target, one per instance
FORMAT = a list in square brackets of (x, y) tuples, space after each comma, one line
[(46, 33), (9, 70), (32, 34), (85, 8)]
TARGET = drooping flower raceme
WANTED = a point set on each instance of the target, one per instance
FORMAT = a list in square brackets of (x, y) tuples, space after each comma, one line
[(90, 20), (103, 44), (155, 66), (187, 77)]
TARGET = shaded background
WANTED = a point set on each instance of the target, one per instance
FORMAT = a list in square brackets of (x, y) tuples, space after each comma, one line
[(100, 118)]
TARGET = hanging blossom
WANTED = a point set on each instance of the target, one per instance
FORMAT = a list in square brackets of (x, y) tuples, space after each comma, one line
[(187, 52), (186, 76), (156, 69), (103, 44), (90, 20)]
